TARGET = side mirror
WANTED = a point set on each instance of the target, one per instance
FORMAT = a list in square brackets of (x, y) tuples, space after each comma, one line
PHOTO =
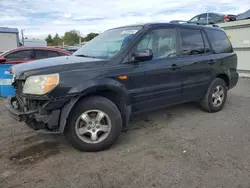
[(143, 55), (2, 60)]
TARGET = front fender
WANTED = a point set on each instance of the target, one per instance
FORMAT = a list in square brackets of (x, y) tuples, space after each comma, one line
[(89, 87), (96, 85)]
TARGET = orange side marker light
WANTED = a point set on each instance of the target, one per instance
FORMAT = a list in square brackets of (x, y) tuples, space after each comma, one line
[(123, 77)]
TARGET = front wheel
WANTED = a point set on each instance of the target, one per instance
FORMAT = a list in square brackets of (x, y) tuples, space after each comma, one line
[(215, 97), (94, 124)]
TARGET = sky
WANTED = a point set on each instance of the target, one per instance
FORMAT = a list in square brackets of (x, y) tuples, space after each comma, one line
[(39, 18)]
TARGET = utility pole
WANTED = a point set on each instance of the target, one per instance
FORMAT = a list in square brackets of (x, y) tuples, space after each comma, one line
[(80, 40), (207, 17), (22, 36)]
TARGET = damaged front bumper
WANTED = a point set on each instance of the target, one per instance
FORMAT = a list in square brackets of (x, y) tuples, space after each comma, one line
[(44, 117)]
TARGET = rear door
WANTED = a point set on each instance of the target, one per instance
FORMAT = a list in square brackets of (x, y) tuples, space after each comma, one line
[(224, 56), (196, 61), (21, 56)]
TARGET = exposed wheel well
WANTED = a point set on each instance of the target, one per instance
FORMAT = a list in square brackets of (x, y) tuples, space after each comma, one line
[(116, 98), (225, 78)]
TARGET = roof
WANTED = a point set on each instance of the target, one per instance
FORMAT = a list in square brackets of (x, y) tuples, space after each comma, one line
[(184, 25), (8, 30), (37, 48), (40, 48)]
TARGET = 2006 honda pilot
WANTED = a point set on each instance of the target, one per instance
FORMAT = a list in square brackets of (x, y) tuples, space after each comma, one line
[(91, 95)]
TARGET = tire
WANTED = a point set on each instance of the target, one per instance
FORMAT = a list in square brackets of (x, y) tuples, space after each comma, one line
[(95, 104), (207, 103)]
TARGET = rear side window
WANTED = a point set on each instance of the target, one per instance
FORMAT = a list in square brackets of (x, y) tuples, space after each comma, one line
[(219, 41), (41, 54), (191, 42), (53, 54), (214, 16)]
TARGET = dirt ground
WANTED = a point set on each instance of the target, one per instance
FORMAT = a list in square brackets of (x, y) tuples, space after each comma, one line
[(180, 147)]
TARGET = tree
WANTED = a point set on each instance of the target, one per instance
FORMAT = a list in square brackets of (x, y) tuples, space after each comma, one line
[(56, 40), (71, 37), (49, 40), (90, 36)]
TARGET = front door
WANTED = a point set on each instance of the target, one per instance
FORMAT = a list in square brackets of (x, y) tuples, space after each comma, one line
[(157, 82)]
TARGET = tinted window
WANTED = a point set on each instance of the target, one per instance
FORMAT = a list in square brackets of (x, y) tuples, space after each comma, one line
[(41, 54), (146, 43), (53, 54), (191, 41), (62, 54), (219, 41), (204, 17), (195, 19), (20, 55), (162, 42), (215, 16), (206, 44)]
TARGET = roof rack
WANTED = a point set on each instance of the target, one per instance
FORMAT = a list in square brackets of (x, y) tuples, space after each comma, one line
[(188, 22)]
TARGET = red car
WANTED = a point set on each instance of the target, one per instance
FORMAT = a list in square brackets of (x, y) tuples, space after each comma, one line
[(26, 54)]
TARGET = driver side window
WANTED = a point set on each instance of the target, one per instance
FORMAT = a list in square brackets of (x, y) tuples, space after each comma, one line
[(19, 55), (195, 19), (162, 42)]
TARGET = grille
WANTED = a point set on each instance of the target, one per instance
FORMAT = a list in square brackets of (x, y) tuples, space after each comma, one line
[(19, 86), (20, 102)]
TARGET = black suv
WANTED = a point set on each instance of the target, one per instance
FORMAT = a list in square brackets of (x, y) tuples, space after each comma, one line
[(91, 95)]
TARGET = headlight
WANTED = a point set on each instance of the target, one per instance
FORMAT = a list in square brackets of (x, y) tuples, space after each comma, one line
[(39, 85)]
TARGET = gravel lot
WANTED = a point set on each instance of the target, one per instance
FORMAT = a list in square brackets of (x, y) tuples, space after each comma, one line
[(180, 146)]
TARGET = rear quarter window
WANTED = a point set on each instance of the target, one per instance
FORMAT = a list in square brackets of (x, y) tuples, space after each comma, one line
[(219, 41)]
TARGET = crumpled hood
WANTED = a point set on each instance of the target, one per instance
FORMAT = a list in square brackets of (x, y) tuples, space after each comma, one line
[(49, 63)]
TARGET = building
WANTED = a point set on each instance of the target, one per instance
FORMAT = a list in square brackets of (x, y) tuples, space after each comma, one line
[(9, 38), (34, 42), (238, 33)]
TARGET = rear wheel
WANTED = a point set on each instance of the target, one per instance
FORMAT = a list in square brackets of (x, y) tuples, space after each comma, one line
[(215, 97), (94, 124)]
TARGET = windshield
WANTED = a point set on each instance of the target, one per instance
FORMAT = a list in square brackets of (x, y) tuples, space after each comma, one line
[(108, 44)]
